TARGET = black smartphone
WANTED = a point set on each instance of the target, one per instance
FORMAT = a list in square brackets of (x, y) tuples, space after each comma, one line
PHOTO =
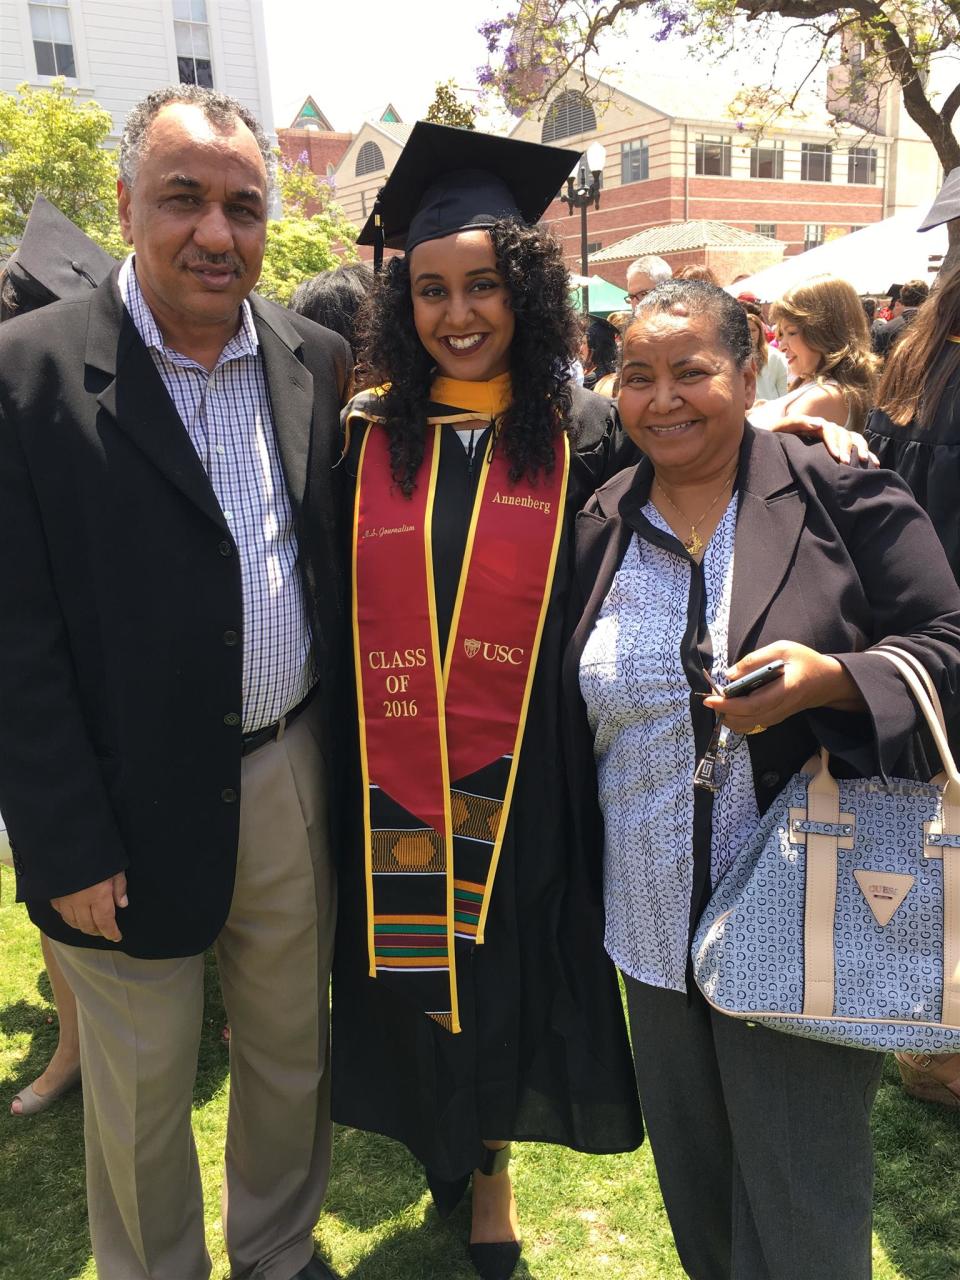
[(755, 680)]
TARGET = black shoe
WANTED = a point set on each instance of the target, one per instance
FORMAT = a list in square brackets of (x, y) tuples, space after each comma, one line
[(495, 1261), (316, 1269), (446, 1194)]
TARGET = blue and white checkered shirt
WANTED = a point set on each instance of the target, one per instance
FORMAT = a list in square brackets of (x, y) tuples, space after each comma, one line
[(228, 417)]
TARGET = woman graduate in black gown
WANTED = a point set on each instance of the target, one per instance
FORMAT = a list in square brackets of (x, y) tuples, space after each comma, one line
[(473, 1000)]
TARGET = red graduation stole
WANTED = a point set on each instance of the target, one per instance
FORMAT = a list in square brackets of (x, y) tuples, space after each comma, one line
[(440, 741)]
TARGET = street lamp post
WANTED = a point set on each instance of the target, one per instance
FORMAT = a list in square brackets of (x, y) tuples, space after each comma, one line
[(582, 192)]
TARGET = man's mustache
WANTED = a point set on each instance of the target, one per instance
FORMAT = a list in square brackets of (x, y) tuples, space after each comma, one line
[(235, 264)]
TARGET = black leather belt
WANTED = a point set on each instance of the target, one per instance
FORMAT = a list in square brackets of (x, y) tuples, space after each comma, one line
[(272, 732)]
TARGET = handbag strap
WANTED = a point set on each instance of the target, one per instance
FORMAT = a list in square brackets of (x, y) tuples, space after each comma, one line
[(932, 712), (922, 672), (823, 842), (949, 833)]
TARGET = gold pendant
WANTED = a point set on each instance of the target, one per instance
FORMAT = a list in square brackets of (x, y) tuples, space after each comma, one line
[(694, 544)]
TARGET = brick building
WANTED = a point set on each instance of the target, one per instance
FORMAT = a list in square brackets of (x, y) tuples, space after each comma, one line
[(312, 137), (676, 153)]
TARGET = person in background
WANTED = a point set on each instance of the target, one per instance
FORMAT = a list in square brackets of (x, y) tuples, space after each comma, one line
[(772, 372), (915, 431), (335, 299), (54, 260), (167, 683), (602, 355), (609, 385), (619, 320), (576, 365), (754, 307), (912, 295), (915, 427), (886, 311), (644, 274), (725, 548), (823, 335), (875, 324), (697, 271)]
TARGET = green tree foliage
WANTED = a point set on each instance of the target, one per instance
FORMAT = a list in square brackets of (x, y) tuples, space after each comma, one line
[(895, 42), (446, 108), (52, 143), (312, 235)]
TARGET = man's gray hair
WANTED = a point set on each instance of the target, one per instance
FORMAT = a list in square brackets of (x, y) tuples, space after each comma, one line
[(221, 111), (652, 266)]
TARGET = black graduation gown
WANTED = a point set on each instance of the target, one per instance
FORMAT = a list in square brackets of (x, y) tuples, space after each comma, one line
[(928, 459), (543, 1052)]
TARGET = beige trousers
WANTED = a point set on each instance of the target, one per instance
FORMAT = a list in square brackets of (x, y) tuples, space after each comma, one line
[(140, 1023)]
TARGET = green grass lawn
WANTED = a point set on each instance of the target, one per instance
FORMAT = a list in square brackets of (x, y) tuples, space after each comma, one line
[(582, 1215)]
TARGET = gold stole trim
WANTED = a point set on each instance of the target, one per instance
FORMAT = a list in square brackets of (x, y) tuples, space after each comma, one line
[(454, 642), (442, 675)]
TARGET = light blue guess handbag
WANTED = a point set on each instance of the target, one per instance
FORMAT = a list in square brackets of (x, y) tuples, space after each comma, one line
[(840, 919)]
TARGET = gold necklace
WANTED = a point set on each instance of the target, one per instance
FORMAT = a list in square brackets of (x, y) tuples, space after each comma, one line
[(695, 544)]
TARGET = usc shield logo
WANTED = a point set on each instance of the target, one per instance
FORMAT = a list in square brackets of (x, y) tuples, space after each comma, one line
[(471, 648)]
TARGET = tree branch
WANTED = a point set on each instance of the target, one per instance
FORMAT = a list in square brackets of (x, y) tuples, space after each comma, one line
[(950, 104), (918, 105), (880, 32)]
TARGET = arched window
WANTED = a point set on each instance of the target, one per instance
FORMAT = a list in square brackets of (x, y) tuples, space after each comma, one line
[(568, 114), (369, 159)]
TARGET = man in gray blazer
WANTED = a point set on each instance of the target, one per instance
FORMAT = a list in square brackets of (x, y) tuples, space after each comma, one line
[(168, 557)]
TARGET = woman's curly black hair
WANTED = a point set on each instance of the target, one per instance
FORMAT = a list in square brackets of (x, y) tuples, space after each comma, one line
[(530, 260)]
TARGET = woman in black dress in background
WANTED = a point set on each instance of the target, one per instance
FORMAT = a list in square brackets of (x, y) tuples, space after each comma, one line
[(915, 431), (471, 335), (915, 428)]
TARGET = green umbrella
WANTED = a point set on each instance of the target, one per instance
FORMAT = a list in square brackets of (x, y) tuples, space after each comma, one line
[(604, 296)]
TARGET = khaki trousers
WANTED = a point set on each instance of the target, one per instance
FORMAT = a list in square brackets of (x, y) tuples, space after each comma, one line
[(140, 1023)]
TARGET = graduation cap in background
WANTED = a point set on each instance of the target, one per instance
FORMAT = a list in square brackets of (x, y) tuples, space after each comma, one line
[(447, 180), (947, 204), (55, 259)]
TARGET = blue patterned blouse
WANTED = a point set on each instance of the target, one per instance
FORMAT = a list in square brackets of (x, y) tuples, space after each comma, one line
[(638, 704)]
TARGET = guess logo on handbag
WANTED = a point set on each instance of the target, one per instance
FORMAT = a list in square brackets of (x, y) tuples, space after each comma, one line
[(884, 892)]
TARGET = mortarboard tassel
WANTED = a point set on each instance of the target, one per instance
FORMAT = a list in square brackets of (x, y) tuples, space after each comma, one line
[(378, 233)]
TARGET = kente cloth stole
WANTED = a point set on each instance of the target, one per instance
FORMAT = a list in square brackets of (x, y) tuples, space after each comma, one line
[(440, 741)]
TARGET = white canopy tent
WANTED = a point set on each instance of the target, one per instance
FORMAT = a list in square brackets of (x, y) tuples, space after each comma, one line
[(882, 254)]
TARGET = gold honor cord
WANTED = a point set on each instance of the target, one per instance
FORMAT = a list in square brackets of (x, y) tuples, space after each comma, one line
[(361, 715), (511, 781)]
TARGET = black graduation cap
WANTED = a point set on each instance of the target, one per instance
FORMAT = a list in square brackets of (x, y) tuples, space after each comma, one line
[(448, 180), (947, 204), (55, 259)]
